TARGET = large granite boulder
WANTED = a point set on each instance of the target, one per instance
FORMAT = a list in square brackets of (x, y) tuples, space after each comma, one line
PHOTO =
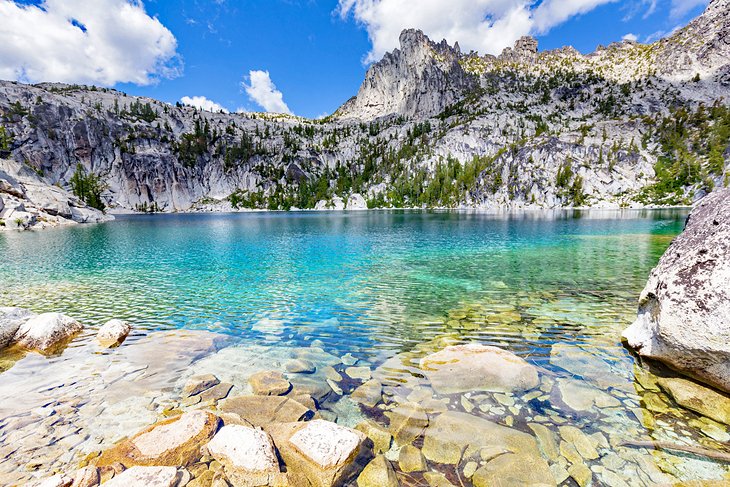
[(173, 442), (247, 455), (10, 321), (320, 453), (476, 367), (684, 310), (47, 331)]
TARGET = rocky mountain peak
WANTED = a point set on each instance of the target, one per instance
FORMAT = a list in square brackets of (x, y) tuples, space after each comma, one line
[(419, 79), (524, 51)]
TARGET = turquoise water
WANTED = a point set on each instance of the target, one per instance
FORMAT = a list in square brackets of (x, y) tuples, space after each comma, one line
[(556, 288), (371, 283)]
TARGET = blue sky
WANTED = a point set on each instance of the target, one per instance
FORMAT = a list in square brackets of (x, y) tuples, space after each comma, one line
[(314, 51)]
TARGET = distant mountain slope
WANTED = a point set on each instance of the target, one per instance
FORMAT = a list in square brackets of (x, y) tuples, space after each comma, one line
[(421, 78), (628, 125)]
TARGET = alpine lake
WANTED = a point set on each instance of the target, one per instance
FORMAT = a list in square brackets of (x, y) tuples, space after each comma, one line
[(345, 305)]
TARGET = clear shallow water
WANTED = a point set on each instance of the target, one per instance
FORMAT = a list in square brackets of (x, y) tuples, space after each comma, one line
[(556, 288), (359, 281)]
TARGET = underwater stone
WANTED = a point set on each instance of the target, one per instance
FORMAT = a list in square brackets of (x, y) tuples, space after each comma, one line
[(410, 459), (269, 383), (199, 383), (369, 394), (698, 398), (476, 367), (378, 473)]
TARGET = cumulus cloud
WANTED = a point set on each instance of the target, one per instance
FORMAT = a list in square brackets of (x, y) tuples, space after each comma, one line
[(263, 92), (486, 26), (680, 8), (202, 103), (77, 41), (630, 37)]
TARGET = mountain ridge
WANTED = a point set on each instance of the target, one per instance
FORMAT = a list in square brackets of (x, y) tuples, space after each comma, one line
[(626, 126)]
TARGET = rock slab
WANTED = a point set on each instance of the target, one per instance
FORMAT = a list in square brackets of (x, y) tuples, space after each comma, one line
[(174, 442), (684, 310), (476, 367)]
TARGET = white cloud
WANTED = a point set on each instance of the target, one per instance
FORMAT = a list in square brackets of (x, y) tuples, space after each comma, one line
[(263, 92), (486, 26), (680, 8), (202, 103), (79, 41), (630, 37)]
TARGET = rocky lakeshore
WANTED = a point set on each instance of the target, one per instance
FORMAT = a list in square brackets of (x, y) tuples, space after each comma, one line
[(176, 408), (28, 201)]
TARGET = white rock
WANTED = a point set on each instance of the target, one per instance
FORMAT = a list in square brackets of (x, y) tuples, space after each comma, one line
[(10, 321), (58, 480), (356, 202), (113, 332), (145, 477), (247, 454), (44, 331), (684, 310), (337, 203), (325, 443)]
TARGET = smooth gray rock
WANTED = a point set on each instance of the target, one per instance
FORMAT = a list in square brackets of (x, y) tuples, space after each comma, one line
[(10, 321), (684, 310), (45, 331)]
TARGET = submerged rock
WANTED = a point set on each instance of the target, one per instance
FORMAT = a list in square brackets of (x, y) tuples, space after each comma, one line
[(173, 442), (46, 331), (300, 366), (379, 435), (269, 383), (514, 470), (407, 422), (698, 398), (378, 473), (476, 367), (10, 321), (684, 310), (453, 436), (410, 459), (113, 333), (247, 455), (369, 394), (199, 383), (265, 410), (319, 453)]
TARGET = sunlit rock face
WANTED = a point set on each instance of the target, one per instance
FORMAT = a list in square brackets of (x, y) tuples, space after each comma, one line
[(529, 115), (684, 310)]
